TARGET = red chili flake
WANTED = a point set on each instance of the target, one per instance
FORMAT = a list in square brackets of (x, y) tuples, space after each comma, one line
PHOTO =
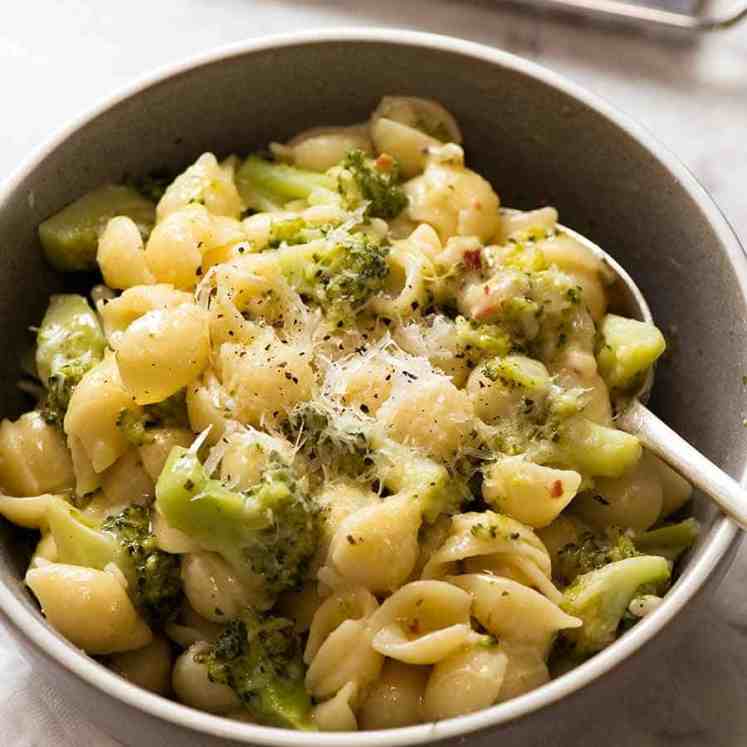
[(556, 489), (384, 162), (472, 259)]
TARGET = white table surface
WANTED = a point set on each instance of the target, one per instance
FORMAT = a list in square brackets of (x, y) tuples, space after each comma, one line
[(58, 57)]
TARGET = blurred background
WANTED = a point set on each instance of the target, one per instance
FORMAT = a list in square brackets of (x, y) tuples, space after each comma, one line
[(59, 57)]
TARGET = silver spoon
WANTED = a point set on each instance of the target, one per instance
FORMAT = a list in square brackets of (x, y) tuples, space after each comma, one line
[(635, 418)]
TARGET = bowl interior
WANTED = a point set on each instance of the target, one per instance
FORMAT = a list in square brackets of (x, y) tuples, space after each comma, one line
[(538, 145)]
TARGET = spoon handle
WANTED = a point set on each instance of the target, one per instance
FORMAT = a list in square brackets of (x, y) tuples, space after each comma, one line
[(658, 437)]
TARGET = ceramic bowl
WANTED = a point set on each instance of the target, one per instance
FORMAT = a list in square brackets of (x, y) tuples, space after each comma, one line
[(540, 140)]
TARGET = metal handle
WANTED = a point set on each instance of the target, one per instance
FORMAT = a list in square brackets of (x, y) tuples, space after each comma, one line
[(658, 437)]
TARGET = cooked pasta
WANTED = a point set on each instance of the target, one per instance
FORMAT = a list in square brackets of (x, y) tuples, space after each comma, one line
[(332, 445)]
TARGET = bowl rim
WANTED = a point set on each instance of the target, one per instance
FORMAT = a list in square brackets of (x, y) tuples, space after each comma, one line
[(722, 534)]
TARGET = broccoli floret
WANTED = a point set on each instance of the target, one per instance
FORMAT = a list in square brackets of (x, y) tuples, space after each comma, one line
[(601, 597), (481, 338), (291, 231), (270, 530), (332, 440), (267, 186), (592, 552), (125, 540), (60, 389), (68, 344), (134, 426), (539, 410), (670, 540), (171, 412), (343, 274), (158, 587), (259, 657), (375, 182)]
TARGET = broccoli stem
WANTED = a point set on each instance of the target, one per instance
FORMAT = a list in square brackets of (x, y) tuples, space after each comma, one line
[(266, 186), (601, 597), (627, 350), (203, 508), (70, 238), (669, 541), (289, 704)]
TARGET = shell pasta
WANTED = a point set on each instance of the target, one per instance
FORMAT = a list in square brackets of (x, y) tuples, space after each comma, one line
[(332, 443)]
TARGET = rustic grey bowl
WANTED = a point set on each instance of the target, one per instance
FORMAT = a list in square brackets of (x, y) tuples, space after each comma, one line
[(541, 141)]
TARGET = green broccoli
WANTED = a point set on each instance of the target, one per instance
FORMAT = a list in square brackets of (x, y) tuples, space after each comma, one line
[(158, 587), (601, 597), (482, 339), (404, 470), (171, 412), (79, 540), (291, 231), (341, 442), (669, 540), (134, 426), (270, 530), (591, 552), (126, 540), (267, 186), (332, 440), (596, 450), (68, 344), (538, 411), (70, 238), (259, 657), (375, 182), (626, 351), (342, 273)]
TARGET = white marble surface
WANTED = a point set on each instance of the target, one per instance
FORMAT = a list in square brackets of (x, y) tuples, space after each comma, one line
[(58, 57)]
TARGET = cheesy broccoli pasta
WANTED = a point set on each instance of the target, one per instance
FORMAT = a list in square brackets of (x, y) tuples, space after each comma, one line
[(332, 445)]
